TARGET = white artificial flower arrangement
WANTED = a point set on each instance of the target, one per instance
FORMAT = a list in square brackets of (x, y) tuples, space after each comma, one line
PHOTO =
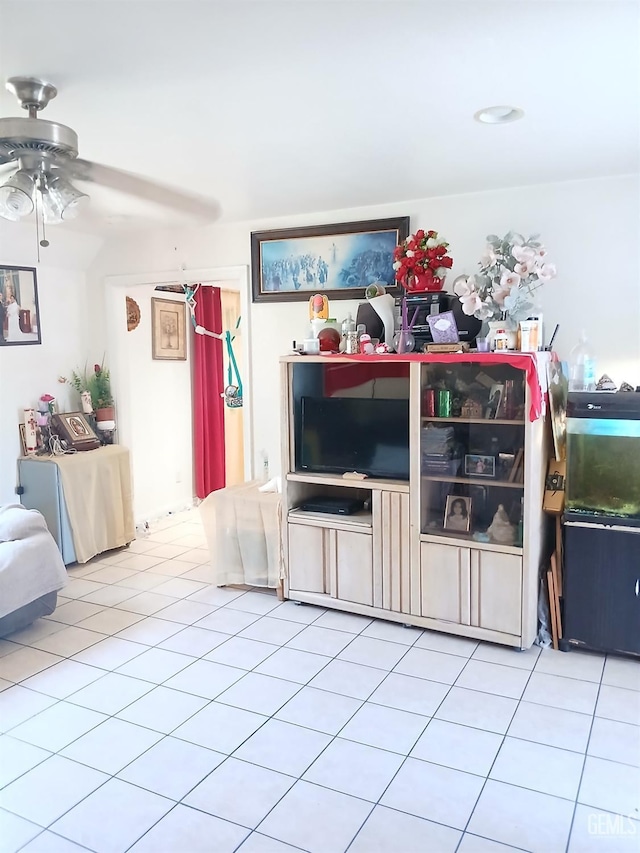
[(511, 270)]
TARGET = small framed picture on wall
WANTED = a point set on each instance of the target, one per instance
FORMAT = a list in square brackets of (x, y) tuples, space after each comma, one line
[(168, 330), (19, 309)]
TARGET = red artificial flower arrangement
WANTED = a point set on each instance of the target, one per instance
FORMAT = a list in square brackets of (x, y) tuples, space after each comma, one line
[(422, 262)]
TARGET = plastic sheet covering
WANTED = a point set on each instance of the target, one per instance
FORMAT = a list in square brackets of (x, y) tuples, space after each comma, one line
[(544, 617), (242, 527)]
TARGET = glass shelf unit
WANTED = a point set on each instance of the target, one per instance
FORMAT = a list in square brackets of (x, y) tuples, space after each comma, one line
[(472, 449)]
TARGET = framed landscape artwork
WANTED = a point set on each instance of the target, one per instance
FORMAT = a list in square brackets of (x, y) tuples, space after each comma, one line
[(340, 261), (168, 330), (19, 310)]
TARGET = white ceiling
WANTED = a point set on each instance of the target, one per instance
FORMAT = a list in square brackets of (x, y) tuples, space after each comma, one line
[(278, 108)]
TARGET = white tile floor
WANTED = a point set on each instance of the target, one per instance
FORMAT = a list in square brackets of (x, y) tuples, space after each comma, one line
[(155, 713)]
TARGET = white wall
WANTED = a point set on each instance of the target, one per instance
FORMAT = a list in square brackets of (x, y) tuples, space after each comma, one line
[(153, 406), (590, 229), (154, 398), (27, 372)]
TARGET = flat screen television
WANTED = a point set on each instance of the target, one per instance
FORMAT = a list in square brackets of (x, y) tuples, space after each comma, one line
[(339, 434)]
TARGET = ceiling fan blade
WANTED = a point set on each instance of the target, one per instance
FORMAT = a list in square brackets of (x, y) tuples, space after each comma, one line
[(126, 182)]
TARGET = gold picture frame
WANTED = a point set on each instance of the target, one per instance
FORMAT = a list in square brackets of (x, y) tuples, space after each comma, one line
[(168, 330)]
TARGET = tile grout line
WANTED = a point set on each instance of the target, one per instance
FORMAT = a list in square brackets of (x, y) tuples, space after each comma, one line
[(584, 763), (486, 779), (183, 626)]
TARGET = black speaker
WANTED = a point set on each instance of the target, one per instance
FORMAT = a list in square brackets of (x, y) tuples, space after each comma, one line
[(468, 327), (371, 320)]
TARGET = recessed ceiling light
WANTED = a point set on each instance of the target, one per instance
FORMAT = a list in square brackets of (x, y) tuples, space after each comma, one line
[(498, 115)]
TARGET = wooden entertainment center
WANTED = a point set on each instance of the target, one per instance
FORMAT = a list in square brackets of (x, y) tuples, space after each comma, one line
[(401, 557)]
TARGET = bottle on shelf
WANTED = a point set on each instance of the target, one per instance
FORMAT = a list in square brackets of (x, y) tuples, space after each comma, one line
[(429, 403), (582, 371), (349, 335), (501, 340)]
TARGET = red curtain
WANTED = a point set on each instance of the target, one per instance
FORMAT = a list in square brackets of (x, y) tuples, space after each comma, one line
[(208, 405)]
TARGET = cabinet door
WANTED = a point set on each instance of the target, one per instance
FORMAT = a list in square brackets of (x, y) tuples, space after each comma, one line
[(391, 545), (308, 557), (352, 566), (445, 582), (496, 591)]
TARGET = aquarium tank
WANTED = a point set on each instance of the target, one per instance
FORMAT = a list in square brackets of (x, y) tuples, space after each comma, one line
[(603, 456)]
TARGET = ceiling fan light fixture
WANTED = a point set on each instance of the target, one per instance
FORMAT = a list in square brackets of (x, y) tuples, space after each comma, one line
[(16, 196), (62, 202)]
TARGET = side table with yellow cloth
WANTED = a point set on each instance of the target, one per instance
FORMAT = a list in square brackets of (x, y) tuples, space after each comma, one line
[(242, 527), (86, 499)]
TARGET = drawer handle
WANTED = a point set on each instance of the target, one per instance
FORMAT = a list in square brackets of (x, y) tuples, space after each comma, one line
[(638, 587)]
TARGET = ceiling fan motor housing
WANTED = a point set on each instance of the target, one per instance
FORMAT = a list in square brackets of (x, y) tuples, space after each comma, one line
[(21, 136)]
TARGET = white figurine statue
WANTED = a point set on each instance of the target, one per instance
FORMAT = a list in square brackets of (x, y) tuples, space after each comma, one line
[(501, 530)]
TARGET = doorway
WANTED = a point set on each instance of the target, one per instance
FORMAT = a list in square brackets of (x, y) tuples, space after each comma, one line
[(233, 417)]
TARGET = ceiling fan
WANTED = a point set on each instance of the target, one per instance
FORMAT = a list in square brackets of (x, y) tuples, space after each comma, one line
[(46, 156)]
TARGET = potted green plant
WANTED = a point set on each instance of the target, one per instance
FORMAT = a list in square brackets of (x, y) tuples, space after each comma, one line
[(99, 386)]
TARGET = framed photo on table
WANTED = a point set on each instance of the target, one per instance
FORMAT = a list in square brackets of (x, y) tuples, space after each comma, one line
[(494, 407), (23, 439), (168, 330), (74, 428), (339, 261)]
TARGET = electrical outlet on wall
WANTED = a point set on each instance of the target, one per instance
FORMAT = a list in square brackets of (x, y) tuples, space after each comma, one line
[(178, 476)]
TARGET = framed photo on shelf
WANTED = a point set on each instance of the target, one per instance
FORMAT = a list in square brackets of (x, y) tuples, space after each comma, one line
[(457, 514), (74, 428), (478, 465), (19, 310), (168, 330), (494, 406), (339, 261)]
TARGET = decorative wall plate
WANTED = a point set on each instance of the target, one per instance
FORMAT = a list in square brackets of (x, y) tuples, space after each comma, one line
[(133, 314)]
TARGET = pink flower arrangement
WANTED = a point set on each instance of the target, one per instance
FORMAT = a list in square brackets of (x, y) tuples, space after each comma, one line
[(511, 270)]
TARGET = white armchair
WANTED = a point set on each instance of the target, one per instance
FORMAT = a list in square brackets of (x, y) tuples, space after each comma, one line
[(31, 568)]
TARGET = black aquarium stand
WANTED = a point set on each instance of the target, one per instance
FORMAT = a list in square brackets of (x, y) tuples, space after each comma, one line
[(601, 587)]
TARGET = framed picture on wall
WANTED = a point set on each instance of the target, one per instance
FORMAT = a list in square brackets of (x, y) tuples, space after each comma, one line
[(168, 330), (19, 310), (291, 264)]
